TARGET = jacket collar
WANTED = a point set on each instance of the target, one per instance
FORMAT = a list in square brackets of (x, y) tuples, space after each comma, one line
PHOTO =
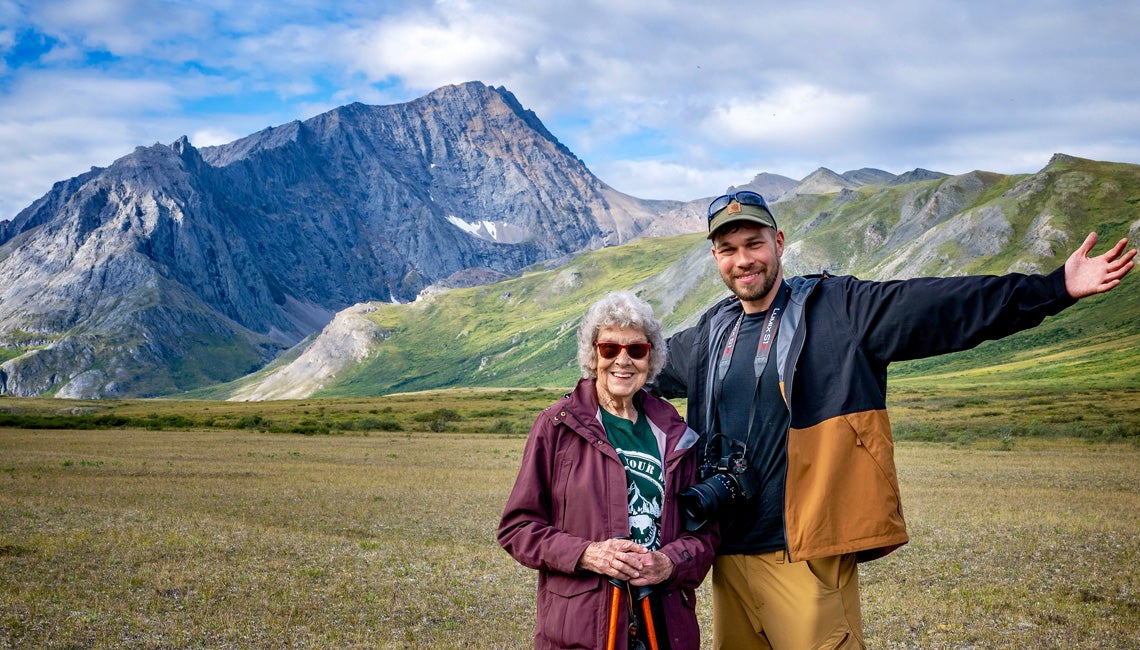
[(580, 410)]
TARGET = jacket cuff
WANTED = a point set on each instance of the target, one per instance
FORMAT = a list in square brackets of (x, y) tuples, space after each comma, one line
[(565, 559), (684, 564), (1057, 280)]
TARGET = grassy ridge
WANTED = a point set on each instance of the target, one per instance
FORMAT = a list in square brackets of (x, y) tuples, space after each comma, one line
[(964, 408), (468, 410)]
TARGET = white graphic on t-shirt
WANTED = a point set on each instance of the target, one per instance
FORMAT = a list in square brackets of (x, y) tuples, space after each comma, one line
[(643, 517)]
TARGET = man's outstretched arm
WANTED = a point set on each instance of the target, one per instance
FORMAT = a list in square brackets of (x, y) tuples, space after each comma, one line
[(1085, 276)]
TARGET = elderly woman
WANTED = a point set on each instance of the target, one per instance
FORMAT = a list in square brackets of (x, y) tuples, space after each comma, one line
[(594, 508)]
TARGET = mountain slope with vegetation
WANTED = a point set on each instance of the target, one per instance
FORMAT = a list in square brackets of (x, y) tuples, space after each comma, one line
[(520, 332)]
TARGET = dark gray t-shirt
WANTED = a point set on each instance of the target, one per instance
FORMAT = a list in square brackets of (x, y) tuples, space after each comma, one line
[(757, 525)]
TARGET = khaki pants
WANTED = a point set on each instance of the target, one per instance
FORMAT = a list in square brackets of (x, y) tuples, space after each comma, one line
[(764, 601)]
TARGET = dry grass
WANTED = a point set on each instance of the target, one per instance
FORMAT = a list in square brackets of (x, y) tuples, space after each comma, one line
[(1030, 548), (240, 539), (944, 411), (223, 539)]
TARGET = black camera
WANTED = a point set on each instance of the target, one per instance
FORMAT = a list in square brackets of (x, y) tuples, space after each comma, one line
[(724, 482)]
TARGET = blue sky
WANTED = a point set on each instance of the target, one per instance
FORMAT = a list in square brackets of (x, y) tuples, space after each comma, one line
[(668, 99)]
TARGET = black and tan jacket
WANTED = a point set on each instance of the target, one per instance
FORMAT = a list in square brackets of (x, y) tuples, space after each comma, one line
[(836, 339)]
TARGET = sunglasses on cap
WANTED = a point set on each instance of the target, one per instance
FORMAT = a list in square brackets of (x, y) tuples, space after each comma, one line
[(611, 350), (743, 198)]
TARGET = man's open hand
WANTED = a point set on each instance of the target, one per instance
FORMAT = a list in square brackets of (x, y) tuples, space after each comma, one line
[(1085, 276)]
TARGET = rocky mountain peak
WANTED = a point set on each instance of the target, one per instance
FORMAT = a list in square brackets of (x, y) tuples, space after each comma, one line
[(768, 185), (133, 279), (916, 175), (822, 181)]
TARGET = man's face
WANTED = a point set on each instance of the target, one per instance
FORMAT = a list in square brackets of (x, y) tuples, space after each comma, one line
[(748, 257)]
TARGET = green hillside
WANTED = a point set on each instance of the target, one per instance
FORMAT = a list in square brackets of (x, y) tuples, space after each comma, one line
[(521, 332), (516, 333)]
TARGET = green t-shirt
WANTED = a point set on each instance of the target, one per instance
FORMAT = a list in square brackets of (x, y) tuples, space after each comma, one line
[(637, 448)]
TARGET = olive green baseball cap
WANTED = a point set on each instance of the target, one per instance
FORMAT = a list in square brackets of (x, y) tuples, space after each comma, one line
[(736, 211)]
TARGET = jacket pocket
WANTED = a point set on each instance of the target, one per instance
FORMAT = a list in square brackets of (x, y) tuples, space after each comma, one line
[(569, 585), (573, 608), (688, 598), (872, 434), (680, 624)]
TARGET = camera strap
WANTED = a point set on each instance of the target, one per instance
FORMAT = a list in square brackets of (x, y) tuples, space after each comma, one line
[(763, 348), (760, 361)]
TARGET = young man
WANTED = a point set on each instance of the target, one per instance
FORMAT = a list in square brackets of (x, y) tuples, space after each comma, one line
[(786, 381)]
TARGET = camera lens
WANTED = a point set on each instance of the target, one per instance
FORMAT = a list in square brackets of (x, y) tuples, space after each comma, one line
[(700, 503)]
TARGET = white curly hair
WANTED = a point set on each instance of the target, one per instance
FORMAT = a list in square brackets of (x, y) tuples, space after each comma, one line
[(619, 309)]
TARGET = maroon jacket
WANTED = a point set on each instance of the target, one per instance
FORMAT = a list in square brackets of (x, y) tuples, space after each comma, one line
[(571, 491)]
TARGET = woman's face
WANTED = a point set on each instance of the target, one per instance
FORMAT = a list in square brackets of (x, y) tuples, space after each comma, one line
[(621, 376)]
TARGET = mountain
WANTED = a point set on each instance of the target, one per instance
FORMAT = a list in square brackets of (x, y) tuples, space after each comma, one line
[(178, 267), (774, 187), (869, 176), (276, 265), (770, 186), (822, 181), (520, 332), (917, 175)]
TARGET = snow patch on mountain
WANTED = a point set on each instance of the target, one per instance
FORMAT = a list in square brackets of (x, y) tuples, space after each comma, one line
[(496, 231)]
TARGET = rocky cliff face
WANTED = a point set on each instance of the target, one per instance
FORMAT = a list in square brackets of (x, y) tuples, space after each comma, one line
[(177, 267)]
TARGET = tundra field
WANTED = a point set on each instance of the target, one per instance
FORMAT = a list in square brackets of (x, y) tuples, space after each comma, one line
[(370, 523)]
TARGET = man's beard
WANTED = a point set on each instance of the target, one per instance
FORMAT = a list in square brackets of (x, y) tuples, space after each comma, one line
[(756, 291)]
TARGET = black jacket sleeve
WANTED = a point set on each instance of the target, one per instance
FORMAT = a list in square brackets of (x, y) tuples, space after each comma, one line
[(673, 380), (923, 317)]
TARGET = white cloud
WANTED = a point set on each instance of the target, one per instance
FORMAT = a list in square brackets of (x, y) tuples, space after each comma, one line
[(124, 27), (664, 100), (285, 57), (802, 114), (427, 50), (57, 125), (74, 94), (652, 179), (38, 153), (210, 137)]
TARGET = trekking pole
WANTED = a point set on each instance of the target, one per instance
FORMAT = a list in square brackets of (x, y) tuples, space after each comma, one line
[(615, 606), (650, 631), (642, 595)]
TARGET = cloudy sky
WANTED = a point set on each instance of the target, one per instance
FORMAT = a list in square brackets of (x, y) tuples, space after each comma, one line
[(669, 99)]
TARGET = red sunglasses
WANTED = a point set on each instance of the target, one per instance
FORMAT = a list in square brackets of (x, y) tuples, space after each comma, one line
[(611, 350)]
